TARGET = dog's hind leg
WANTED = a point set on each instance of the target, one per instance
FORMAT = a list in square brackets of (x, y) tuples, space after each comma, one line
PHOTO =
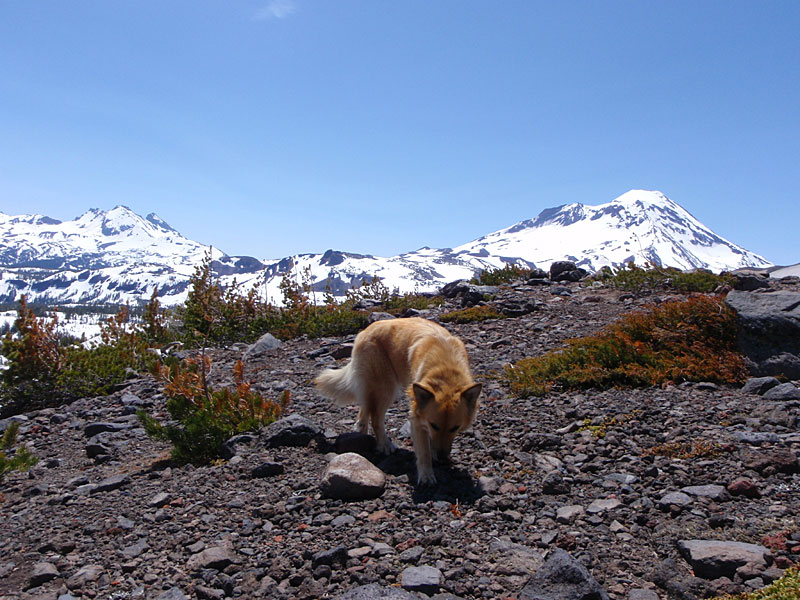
[(381, 398), (362, 421)]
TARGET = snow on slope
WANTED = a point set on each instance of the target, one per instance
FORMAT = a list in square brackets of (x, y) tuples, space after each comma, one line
[(643, 226), (118, 256)]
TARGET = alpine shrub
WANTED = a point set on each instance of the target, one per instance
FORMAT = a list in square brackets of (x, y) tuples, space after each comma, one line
[(637, 279), (204, 418), (473, 314), (20, 459), (505, 274), (691, 340)]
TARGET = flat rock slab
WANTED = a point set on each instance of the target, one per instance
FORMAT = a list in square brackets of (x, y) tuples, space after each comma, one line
[(711, 559), (760, 385), (517, 559), (350, 476), (85, 575), (111, 483), (423, 579), (562, 578), (603, 505), (715, 492), (675, 498), (783, 392), (217, 558), (42, 573), (373, 591)]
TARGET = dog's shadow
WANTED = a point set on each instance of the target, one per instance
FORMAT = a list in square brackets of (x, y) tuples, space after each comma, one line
[(453, 484)]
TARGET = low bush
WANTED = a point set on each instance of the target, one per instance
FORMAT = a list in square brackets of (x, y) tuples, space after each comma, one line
[(691, 340), (686, 450), (505, 274), (20, 459), (637, 279), (43, 372), (204, 418), (785, 588), (473, 314)]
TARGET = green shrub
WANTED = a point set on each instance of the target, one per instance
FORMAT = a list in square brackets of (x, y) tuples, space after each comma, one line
[(632, 278), (505, 274), (21, 459), (43, 372), (473, 314), (691, 340), (207, 417), (785, 588)]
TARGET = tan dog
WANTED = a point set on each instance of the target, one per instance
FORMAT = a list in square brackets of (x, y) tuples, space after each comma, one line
[(424, 358)]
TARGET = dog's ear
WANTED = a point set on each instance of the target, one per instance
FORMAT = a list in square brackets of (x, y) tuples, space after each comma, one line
[(422, 396), (470, 396)]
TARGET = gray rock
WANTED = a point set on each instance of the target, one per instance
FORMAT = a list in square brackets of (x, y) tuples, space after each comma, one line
[(769, 327), (759, 385), (412, 555), (112, 483), (173, 593), (337, 555), (639, 594), (134, 550), (674, 498), (217, 557), (42, 572), (554, 484), (293, 430), (517, 559), (159, 500), (350, 476), (263, 345), (562, 578), (715, 492), (373, 591), (85, 575), (783, 392), (423, 579), (711, 559), (267, 469), (238, 444), (602, 505), (756, 437), (92, 429), (379, 316), (567, 514)]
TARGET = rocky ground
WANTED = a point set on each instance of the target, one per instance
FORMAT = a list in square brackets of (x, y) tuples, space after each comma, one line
[(105, 515)]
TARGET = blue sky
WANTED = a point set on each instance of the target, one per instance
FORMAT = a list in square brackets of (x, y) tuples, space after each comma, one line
[(276, 127)]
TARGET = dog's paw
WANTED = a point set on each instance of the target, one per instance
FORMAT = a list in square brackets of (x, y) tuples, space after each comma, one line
[(387, 447), (426, 477)]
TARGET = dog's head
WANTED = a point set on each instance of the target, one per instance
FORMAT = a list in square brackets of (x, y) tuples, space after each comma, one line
[(444, 414)]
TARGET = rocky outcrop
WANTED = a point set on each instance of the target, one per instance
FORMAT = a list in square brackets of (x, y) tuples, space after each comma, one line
[(770, 330)]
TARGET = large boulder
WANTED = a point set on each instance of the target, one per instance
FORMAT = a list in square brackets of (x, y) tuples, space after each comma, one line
[(769, 330), (564, 270), (350, 476), (711, 559)]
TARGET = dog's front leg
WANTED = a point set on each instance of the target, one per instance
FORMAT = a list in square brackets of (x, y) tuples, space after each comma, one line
[(422, 448)]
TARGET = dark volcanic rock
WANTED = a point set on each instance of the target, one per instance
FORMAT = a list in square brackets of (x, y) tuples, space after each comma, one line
[(294, 430), (562, 578), (769, 327)]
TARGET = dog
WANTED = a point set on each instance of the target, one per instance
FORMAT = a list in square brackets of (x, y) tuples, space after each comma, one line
[(431, 364)]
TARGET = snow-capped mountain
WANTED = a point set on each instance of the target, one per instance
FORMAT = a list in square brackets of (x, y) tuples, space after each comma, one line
[(640, 225), (118, 256)]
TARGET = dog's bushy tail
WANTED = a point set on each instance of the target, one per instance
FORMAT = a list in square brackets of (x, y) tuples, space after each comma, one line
[(338, 385)]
